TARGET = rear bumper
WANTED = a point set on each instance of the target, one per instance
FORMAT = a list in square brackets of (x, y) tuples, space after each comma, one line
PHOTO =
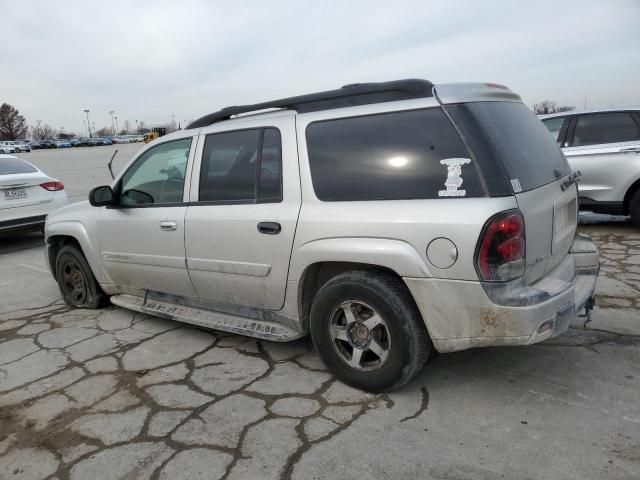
[(460, 315), (27, 223), (31, 217)]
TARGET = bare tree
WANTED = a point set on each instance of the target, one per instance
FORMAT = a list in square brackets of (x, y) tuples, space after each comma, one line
[(104, 132), (126, 126), (549, 106), (12, 125), (42, 132)]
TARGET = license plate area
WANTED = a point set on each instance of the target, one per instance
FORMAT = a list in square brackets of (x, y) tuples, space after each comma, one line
[(15, 194), (565, 219)]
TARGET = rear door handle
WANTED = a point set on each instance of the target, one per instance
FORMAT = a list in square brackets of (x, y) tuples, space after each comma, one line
[(168, 226), (630, 150), (269, 228)]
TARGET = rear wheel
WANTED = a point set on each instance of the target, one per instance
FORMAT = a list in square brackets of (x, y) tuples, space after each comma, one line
[(368, 331), (634, 209), (77, 284)]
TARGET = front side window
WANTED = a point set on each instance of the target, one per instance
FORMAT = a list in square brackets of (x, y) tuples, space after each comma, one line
[(157, 176), (554, 125), (413, 154), (242, 166), (611, 127)]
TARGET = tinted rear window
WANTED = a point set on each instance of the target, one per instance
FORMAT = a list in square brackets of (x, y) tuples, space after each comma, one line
[(390, 156), (517, 142), (11, 166)]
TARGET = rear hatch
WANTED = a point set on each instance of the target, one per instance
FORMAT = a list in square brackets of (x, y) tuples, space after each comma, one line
[(518, 156), (20, 184)]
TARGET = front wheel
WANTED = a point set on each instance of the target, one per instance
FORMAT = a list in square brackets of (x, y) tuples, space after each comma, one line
[(368, 331), (78, 286)]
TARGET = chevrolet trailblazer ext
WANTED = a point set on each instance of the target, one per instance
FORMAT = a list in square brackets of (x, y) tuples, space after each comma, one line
[(385, 219)]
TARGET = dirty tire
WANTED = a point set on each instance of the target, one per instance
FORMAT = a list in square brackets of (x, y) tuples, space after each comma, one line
[(409, 345), (634, 209), (77, 284)]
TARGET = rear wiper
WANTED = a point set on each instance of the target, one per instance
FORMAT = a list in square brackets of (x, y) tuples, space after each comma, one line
[(573, 177)]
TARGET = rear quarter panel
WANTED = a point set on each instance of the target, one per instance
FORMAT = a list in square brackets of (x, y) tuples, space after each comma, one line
[(607, 174)]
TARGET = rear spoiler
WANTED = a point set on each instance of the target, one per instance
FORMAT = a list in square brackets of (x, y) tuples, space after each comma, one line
[(447, 93)]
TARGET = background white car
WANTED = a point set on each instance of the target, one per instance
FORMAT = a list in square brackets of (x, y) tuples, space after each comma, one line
[(27, 195), (6, 147)]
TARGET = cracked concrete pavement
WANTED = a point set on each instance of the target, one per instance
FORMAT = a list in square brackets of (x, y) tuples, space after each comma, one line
[(116, 394)]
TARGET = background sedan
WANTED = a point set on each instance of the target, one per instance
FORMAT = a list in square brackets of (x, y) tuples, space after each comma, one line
[(27, 194)]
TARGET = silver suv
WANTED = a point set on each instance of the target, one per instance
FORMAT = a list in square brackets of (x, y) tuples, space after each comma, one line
[(384, 219), (604, 145)]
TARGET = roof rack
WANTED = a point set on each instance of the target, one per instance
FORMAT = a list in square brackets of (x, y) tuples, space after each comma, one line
[(347, 96)]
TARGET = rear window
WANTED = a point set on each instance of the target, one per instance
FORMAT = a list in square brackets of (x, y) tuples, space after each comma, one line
[(510, 138), (11, 166), (390, 156)]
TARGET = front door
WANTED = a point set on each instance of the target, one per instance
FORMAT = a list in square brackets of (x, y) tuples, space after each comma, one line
[(241, 220), (141, 241)]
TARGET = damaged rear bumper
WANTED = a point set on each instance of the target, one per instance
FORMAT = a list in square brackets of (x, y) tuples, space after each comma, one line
[(463, 314)]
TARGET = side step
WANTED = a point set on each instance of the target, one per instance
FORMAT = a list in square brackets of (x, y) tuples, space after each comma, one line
[(208, 319)]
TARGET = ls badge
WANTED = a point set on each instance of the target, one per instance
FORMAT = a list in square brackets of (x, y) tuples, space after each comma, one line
[(454, 180)]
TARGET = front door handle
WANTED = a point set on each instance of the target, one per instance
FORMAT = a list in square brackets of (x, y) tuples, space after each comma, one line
[(269, 228), (168, 226)]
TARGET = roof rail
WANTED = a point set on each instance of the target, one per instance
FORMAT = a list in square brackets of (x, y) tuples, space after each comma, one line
[(347, 96)]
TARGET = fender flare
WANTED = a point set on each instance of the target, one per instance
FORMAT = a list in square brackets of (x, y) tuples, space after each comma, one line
[(395, 255), (77, 231)]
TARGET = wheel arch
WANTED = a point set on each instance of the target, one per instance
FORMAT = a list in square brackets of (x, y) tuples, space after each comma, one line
[(635, 186), (318, 274), (65, 233)]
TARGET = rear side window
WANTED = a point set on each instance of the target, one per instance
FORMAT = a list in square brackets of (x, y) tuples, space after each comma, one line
[(12, 166), (390, 156), (508, 139), (597, 128), (242, 166)]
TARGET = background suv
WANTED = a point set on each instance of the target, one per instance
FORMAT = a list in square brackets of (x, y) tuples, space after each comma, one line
[(384, 219), (604, 145)]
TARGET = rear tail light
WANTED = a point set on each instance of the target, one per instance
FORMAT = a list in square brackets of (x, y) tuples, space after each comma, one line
[(52, 186), (500, 254)]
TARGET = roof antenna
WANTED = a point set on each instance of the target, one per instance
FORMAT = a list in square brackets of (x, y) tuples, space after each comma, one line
[(111, 162)]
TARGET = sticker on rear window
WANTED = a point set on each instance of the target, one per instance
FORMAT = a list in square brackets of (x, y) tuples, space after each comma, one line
[(454, 178), (515, 183)]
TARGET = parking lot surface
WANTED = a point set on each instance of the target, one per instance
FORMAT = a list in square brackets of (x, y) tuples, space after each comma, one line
[(116, 394)]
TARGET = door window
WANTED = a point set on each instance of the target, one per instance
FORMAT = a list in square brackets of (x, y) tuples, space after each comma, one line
[(157, 176), (612, 127), (554, 125), (242, 166)]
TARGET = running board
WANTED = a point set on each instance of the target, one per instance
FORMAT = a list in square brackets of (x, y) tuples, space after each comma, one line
[(208, 319)]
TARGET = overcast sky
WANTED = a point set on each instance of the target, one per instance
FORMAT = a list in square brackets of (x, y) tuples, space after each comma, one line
[(151, 60)]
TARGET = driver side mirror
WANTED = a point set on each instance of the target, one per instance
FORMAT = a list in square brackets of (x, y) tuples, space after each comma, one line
[(101, 196)]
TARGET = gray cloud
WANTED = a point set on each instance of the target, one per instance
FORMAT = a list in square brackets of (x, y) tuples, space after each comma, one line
[(149, 60)]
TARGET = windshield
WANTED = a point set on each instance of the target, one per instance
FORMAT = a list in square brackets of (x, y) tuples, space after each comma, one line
[(514, 137), (11, 166)]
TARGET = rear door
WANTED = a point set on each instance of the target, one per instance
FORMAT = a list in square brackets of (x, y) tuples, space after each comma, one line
[(244, 207), (20, 184), (603, 146), (516, 145)]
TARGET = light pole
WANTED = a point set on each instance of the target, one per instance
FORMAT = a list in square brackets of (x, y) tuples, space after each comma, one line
[(88, 123), (62, 132), (113, 129), (116, 124), (136, 126)]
